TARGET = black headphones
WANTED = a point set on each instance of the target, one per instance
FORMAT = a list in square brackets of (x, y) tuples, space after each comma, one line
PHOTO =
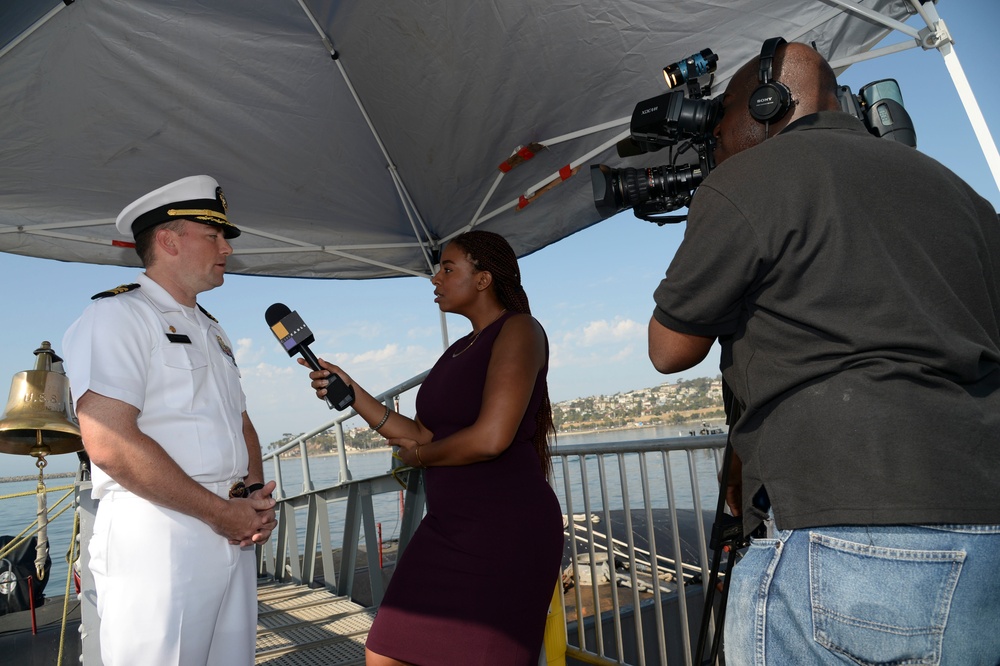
[(771, 99)]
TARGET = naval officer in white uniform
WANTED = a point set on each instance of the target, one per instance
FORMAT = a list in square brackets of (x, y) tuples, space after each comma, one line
[(176, 462)]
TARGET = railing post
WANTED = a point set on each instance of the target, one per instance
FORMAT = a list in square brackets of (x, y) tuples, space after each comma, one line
[(307, 484), (349, 548), (371, 545), (413, 508), (345, 471), (288, 546), (265, 559), (278, 490), (317, 533), (661, 636)]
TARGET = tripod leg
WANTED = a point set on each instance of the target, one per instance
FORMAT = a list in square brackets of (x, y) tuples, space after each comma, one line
[(707, 609), (720, 626)]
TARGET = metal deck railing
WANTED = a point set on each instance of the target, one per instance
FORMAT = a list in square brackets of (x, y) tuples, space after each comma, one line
[(637, 519), (301, 551), (636, 536), (637, 532), (298, 447)]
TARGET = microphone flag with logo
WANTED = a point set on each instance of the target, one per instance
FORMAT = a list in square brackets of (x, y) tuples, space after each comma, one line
[(295, 337)]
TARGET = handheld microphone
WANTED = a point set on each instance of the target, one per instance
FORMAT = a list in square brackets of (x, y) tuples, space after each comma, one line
[(295, 337)]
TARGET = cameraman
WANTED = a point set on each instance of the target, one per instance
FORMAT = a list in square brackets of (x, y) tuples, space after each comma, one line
[(854, 286)]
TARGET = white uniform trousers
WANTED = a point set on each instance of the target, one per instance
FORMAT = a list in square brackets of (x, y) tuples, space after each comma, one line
[(170, 591)]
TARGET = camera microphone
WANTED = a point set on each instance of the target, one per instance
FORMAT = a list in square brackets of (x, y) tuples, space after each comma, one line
[(295, 337)]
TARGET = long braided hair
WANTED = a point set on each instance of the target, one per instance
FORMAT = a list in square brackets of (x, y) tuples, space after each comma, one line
[(491, 252)]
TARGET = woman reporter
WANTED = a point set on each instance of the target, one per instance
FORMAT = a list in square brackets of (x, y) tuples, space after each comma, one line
[(473, 585)]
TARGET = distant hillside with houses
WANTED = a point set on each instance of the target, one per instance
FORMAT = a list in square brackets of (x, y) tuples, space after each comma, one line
[(666, 404), (684, 401)]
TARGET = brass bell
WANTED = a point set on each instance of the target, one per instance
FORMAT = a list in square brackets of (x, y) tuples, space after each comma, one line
[(39, 419)]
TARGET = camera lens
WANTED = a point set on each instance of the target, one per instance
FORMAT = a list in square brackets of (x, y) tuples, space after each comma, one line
[(648, 190)]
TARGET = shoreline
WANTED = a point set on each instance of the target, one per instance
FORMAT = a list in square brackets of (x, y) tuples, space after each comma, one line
[(567, 433), (71, 475), (678, 426), (387, 448), (34, 477)]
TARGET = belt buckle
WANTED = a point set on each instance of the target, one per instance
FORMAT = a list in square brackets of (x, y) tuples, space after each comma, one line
[(238, 490)]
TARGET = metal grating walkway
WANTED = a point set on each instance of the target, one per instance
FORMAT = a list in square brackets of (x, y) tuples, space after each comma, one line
[(302, 626)]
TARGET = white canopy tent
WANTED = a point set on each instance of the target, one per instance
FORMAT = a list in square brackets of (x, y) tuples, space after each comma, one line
[(354, 138)]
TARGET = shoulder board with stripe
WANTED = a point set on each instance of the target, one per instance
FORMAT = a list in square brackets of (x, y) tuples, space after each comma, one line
[(207, 314), (120, 289)]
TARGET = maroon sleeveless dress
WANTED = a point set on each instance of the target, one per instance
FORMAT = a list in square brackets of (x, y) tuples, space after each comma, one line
[(474, 584)]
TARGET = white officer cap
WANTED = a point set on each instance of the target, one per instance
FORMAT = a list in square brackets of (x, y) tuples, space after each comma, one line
[(195, 198)]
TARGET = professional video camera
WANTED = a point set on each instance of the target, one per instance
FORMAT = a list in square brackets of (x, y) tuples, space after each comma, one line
[(665, 120), (688, 122), (879, 105)]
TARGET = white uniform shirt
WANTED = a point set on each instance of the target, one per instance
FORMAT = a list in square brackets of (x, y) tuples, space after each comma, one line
[(172, 363)]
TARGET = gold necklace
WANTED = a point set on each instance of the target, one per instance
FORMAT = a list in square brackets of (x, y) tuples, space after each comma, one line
[(476, 336)]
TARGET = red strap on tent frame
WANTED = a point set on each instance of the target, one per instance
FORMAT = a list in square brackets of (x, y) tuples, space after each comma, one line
[(564, 173), (522, 155)]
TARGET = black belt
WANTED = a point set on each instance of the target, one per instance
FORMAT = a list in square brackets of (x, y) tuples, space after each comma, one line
[(239, 489)]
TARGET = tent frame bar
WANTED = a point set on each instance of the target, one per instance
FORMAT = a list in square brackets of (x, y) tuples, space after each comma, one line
[(34, 26), (935, 36), (412, 212)]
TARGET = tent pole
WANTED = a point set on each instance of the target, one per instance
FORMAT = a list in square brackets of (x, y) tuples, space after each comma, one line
[(871, 14), (35, 26), (972, 110), (412, 213), (444, 331), (937, 36)]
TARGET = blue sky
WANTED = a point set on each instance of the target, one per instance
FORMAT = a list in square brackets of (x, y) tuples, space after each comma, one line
[(592, 291)]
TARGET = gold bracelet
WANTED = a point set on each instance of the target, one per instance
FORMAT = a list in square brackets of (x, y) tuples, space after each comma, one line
[(417, 451), (385, 417)]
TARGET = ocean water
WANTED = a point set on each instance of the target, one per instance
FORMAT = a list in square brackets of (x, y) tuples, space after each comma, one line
[(673, 478), (620, 480), (17, 513)]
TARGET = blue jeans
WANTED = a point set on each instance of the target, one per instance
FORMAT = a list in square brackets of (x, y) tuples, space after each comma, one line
[(867, 595)]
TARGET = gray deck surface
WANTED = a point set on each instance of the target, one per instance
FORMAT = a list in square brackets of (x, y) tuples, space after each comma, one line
[(299, 626), (296, 626)]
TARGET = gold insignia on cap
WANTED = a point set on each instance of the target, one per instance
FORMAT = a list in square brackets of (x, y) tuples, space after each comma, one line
[(173, 330), (201, 214), (206, 216), (222, 199)]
